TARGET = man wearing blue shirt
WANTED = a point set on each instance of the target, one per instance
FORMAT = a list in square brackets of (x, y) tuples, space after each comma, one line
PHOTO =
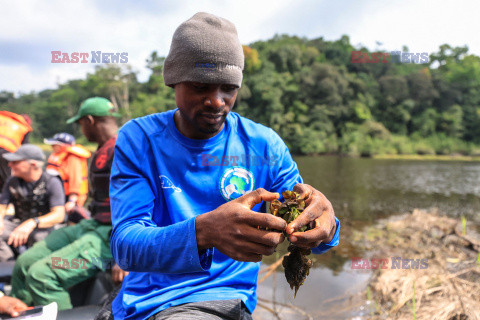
[(187, 187)]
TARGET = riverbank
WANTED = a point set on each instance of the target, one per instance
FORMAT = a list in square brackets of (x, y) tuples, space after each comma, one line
[(428, 157), (433, 268), (424, 157)]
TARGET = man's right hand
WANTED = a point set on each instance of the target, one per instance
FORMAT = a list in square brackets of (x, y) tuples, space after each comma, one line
[(233, 228)]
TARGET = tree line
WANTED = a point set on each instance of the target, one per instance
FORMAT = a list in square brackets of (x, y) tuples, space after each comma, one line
[(310, 93)]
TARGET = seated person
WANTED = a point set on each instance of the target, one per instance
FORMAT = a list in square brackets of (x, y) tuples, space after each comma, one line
[(188, 232), (69, 161), (44, 273), (37, 197)]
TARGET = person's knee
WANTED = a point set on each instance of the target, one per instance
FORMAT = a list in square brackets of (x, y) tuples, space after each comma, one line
[(6, 252), (7, 230), (4, 235), (39, 273)]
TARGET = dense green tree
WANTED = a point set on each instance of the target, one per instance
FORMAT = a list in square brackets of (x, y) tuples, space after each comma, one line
[(309, 92)]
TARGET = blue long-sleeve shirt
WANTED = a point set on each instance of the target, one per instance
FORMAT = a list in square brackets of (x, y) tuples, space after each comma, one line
[(161, 180)]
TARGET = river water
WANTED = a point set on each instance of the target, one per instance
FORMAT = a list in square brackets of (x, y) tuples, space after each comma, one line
[(362, 191)]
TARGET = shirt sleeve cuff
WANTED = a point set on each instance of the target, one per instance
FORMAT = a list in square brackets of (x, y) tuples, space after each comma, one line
[(206, 257), (324, 247)]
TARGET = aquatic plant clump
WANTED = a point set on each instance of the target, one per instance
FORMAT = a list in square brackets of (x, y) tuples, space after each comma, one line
[(296, 264)]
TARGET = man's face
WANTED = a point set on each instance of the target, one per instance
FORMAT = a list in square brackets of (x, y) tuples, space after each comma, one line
[(87, 128), (20, 169), (203, 108), (57, 148)]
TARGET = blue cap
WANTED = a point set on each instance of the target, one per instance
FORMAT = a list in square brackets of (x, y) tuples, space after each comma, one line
[(61, 138)]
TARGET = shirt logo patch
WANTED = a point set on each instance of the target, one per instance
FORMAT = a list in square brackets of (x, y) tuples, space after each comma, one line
[(236, 182), (167, 184)]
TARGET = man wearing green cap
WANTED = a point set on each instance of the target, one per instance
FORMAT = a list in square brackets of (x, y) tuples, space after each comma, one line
[(45, 272)]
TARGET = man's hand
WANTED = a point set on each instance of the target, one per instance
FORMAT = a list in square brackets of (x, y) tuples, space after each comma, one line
[(69, 205), (233, 228), (318, 214), (12, 306), (19, 235), (118, 274)]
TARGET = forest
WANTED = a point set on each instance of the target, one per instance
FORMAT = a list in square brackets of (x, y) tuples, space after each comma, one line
[(310, 93)]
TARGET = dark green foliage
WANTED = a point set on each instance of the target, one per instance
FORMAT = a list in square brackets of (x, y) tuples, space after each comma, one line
[(310, 93)]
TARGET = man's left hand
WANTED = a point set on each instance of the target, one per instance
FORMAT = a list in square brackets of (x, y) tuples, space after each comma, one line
[(20, 234), (318, 214)]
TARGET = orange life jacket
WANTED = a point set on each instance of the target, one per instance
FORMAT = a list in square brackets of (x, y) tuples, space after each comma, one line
[(55, 161), (13, 128)]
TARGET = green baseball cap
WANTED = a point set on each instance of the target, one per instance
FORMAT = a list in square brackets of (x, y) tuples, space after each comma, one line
[(97, 106)]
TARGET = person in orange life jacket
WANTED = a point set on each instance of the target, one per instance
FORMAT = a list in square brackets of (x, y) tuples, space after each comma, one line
[(38, 199), (14, 131), (69, 162)]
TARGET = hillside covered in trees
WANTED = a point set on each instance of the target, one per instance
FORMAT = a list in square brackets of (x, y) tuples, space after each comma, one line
[(311, 93)]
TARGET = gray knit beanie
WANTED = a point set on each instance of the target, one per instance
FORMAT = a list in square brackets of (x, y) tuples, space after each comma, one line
[(205, 49)]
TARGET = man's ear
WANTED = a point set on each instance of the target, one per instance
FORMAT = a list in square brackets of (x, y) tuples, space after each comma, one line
[(91, 119)]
